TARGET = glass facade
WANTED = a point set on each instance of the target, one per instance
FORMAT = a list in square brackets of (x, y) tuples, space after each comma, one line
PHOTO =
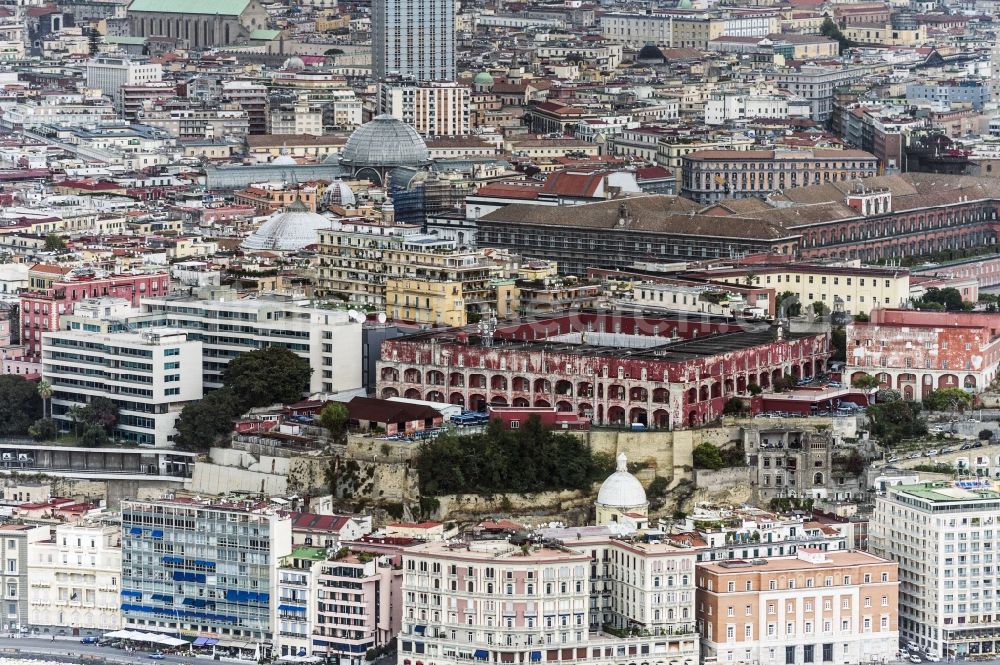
[(199, 570)]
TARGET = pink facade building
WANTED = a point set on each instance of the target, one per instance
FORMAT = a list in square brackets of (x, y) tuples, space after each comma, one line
[(916, 352), (54, 290), (572, 598), (339, 605)]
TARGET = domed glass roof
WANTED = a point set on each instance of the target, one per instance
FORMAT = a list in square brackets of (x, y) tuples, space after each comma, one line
[(622, 489), (338, 193), (385, 141), (483, 78), (288, 231)]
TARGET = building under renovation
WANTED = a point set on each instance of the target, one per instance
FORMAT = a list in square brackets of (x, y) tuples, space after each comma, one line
[(616, 368)]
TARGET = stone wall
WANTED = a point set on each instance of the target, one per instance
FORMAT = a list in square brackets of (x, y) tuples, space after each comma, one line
[(669, 454), (475, 506), (723, 478)]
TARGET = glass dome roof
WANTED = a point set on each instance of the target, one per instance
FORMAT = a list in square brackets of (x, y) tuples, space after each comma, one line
[(385, 141), (288, 231)]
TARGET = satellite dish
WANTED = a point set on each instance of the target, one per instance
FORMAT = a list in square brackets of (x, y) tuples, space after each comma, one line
[(355, 315), (381, 317)]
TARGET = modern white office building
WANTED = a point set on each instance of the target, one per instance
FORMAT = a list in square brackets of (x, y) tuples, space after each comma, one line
[(109, 73), (149, 375), (413, 38), (945, 536), (74, 580), (227, 328)]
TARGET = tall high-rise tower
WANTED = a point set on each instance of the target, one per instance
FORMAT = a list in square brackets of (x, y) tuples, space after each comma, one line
[(414, 38)]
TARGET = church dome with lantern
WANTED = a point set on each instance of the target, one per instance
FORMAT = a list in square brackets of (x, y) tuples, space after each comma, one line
[(622, 498)]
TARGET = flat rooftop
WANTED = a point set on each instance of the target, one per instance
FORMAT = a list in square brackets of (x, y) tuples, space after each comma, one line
[(831, 559), (951, 491)]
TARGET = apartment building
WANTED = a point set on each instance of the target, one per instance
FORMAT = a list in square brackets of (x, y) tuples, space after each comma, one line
[(857, 290), (337, 605), (413, 38), (943, 535), (54, 290), (433, 109), (219, 121), (671, 150), (228, 327), (723, 107), (15, 542), (203, 570), (577, 598), (414, 276), (74, 580), (712, 175), (149, 375), (297, 118), (637, 30), (816, 83), (830, 607)]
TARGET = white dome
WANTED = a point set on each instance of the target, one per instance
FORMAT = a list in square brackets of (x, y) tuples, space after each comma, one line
[(338, 193), (284, 160), (622, 489), (288, 231)]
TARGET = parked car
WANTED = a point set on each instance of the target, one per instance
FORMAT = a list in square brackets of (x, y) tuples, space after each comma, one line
[(933, 658), (915, 456), (932, 452), (892, 458), (159, 656), (90, 640), (914, 658)]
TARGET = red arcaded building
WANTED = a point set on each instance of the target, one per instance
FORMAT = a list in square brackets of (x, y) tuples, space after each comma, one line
[(53, 290), (615, 368), (917, 352)]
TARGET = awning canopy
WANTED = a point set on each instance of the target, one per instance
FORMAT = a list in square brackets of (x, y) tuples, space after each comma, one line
[(481, 654), (536, 655)]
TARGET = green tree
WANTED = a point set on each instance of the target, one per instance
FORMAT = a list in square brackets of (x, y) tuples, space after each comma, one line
[(44, 429), (948, 299), (888, 395), (861, 317), (785, 383), (205, 423), (531, 459), (734, 406), (838, 341), (947, 399), (832, 30), (658, 488), (891, 422), (707, 456), (102, 412), (820, 308), (787, 304), (45, 392), (334, 418), (54, 243), (94, 436), (985, 434), (267, 376), (754, 389), (864, 382), (20, 405)]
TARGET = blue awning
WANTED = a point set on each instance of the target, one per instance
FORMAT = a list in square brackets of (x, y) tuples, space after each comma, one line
[(135, 531), (210, 641), (536, 655), (291, 608), (263, 597), (419, 629), (481, 654), (157, 533), (302, 651), (133, 594), (199, 642)]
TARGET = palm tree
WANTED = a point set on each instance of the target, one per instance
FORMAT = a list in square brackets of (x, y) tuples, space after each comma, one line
[(45, 392)]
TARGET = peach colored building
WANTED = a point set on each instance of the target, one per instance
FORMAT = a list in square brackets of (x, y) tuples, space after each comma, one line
[(816, 607)]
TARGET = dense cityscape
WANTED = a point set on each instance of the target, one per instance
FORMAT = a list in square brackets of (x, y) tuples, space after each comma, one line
[(569, 332)]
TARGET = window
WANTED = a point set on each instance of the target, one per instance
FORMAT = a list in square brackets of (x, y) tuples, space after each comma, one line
[(827, 653), (731, 632), (748, 631), (515, 424), (171, 352), (789, 655), (730, 611), (732, 587)]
